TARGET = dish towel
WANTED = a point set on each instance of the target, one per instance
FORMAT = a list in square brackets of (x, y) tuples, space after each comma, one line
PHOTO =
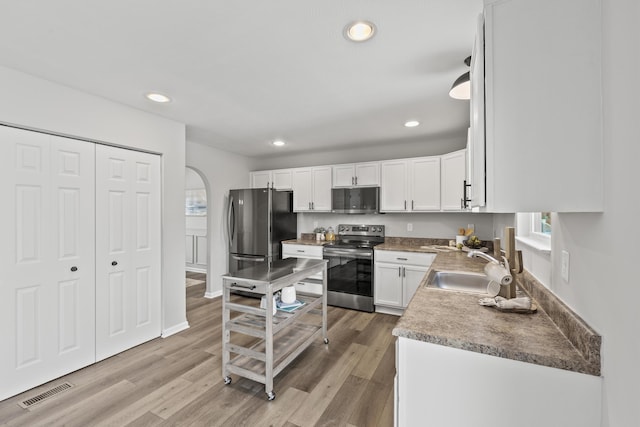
[(523, 303)]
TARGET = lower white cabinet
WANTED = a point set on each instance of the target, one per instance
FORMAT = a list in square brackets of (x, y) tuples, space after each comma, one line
[(313, 284), (447, 386), (80, 259), (397, 276), (196, 252)]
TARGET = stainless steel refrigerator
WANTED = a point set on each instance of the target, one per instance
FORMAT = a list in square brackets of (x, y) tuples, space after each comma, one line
[(258, 219)]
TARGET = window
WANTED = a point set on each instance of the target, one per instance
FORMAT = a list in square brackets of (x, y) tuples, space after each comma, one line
[(534, 230)]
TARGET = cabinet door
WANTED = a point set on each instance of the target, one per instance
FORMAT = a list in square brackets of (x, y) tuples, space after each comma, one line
[(452, 180), (260, 179), (321, 201), (302, 189), (200, 257), (282, 179), (393, 188), (127, 249), (425, 184), (412, 275), (189, 249), (367, 174), (343, 176), (47, 260), (388, 285)]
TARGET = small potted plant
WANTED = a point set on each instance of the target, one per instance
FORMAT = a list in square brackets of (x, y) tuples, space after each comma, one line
[(319, 233)]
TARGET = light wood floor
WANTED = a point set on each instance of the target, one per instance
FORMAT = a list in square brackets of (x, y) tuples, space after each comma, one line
[(178, 381)]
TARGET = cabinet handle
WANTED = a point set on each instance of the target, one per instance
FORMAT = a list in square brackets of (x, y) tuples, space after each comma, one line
[(412, 205), (405, 205), (300, 250), (399, 271), (401, 259), (74, 268), (356, 180), (404, 272), (313, 206), (114, 263), (309, 205), (352, 181)]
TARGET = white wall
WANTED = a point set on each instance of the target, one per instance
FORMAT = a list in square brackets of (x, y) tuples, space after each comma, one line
[(37, 104), (434, 224), (222, 171), (386, 151), (603, 282)]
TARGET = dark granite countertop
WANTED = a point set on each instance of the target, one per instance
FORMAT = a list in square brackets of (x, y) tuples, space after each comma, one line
[(455, 319)]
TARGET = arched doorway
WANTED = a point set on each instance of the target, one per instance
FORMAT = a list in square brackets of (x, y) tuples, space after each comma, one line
[(196, 228)]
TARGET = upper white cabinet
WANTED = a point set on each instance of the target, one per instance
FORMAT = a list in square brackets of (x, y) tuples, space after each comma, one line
[(357, 175), (312, 189), (410, 185), (280, 179), (452, 177), (543, 101)]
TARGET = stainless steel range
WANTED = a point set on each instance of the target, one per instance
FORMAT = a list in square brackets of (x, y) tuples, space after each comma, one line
[(350, 266)]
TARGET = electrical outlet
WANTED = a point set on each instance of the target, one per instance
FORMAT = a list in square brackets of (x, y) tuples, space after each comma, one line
[(409, 226), (564, 266)]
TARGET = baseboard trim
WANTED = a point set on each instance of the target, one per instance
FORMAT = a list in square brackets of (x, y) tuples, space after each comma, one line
[(212, 295), (175, 329)]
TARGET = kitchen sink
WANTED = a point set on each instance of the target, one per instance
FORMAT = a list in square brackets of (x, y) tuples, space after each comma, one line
[(460, 281)]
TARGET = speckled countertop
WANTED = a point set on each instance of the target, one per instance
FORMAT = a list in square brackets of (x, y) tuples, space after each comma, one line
[(455, 319), (309, 242)]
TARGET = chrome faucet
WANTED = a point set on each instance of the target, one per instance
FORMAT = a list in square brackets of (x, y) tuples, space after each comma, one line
[(476, 253)]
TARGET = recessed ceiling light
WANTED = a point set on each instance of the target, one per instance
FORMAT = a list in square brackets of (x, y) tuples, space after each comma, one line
[(278, 143), (158, 97), (411, 123), (359, 31)]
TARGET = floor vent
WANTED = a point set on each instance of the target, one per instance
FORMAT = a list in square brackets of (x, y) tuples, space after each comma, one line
[(26, 404)]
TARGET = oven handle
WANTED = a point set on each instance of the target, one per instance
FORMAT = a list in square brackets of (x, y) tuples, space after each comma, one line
[(335, 252)]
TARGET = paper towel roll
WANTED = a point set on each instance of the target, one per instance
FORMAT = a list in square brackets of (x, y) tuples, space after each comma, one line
[(493, 288), (498, 273)]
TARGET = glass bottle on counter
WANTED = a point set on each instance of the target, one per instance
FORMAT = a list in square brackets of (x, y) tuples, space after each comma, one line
[(330, 235)]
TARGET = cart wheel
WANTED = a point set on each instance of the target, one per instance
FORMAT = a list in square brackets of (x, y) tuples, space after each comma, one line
[(326, 340), (271, 395), (227, 380)]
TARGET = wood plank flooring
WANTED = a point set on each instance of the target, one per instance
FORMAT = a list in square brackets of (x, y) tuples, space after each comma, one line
[(177, 381)]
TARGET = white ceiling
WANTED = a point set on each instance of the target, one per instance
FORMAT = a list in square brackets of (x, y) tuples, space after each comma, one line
[(242, 73)]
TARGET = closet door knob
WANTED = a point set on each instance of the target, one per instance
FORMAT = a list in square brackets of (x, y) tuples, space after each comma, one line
[(74, 268), (114, 263)]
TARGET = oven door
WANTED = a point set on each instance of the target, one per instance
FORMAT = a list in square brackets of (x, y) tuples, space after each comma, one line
[(350, 271)]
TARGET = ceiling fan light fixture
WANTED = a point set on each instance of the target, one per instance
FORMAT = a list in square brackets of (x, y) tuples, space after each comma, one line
[(158, 97), (359, 31)]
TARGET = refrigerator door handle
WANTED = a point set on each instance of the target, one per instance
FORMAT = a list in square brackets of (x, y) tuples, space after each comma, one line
[(231, 221), (248, 258)]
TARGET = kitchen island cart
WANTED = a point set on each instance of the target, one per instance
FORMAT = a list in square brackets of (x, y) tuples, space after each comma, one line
[(268, 342)]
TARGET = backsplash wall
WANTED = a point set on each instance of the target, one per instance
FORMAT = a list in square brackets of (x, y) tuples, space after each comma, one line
[(435, 225)]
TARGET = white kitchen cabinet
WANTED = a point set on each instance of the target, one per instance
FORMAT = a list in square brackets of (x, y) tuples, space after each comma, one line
[(452, 177), (312, 189), (410, 185), (543, 117), (397, 277), (312, 284), (356, 175), (453, 387), (280, 179)]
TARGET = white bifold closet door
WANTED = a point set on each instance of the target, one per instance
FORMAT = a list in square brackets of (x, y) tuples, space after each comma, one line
[(128, 283), (47, 261)]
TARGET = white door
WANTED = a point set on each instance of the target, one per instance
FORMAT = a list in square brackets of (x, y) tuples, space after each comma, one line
[(413, 276), (302, 190), (46, 258), (282, 179), (388, 285), (128, 285), (261, 179), (343, 176), (368, 174), (453, 174)]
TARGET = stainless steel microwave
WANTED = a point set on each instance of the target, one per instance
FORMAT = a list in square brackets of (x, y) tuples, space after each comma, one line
[(357, 200)]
